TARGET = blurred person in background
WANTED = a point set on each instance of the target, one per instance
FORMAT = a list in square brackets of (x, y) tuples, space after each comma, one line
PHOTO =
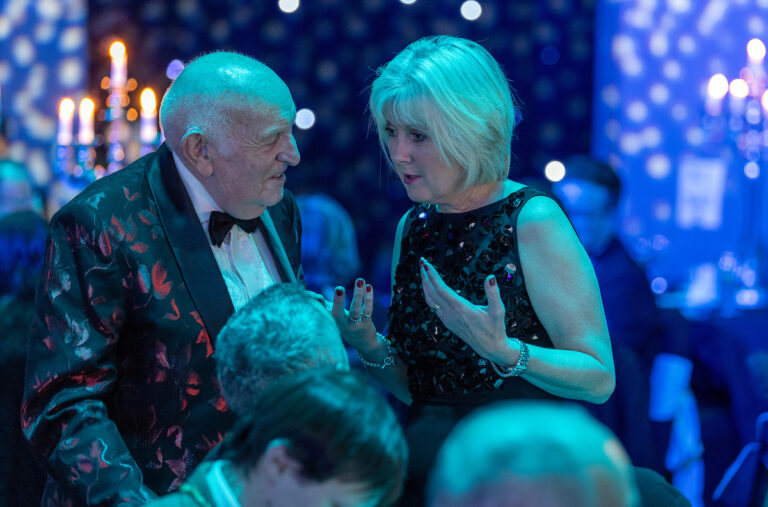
[(316, 438), (493, 295), (22, 246), (590, 193), (532, 454)]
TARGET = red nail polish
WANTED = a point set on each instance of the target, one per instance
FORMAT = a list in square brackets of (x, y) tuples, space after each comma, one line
[(368, 288), (421, 262), (492, 281), (339, 292), (359, 282)]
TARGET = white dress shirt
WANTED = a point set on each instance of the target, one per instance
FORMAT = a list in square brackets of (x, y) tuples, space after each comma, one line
[(245, 262)]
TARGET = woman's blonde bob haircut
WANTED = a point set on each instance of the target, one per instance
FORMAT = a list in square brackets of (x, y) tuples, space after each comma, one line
[(455, 92)]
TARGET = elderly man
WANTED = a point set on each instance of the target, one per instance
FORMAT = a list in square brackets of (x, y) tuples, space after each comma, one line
[(142, 270)]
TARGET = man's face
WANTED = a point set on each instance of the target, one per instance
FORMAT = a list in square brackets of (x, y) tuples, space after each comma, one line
[(588, 205), (250, 161)]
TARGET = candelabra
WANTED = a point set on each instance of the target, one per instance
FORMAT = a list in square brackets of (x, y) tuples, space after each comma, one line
[(75, 157), (741, 124)]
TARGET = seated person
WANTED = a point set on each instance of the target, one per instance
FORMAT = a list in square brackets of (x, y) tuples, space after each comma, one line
[(282, 330), (532, 454), (319, 437)]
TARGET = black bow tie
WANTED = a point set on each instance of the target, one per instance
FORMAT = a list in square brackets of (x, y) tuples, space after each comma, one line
[(220, 224)]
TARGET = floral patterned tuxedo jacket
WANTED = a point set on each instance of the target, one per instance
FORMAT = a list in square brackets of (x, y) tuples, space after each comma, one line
[(121, 398)]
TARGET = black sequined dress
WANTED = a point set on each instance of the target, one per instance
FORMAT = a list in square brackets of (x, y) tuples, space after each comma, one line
[(447, 379)]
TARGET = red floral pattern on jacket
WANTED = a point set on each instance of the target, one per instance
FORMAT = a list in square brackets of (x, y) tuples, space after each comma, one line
[(122, 400)]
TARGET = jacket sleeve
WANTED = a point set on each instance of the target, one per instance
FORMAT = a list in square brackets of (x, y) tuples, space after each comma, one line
[(71, 365)]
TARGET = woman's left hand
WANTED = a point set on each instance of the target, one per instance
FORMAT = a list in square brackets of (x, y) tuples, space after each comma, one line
[(481, 327)]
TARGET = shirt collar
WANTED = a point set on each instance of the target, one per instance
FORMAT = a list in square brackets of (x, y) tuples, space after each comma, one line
[(201, 199)]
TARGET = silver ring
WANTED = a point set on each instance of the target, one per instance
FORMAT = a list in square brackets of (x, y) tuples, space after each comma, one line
[(364, 316), (435, 307), (357, 320)]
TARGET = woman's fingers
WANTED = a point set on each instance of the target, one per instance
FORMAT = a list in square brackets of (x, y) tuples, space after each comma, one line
[(338, 311), (495, 304), (367, 310), (358, 295)]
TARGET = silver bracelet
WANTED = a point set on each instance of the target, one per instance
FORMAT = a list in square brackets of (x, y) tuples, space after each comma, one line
[(520, 366), (389, 360)]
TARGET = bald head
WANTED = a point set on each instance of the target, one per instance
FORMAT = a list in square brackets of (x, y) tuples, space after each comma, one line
[(533, 454), (212, 93)]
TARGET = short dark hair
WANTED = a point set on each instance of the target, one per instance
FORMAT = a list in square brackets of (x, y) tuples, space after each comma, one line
[(336, 425), (281, 330), (595, 171)]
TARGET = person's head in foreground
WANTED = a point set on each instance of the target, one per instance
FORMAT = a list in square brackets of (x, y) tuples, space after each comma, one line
[(445, 116), (589, 193), (281, 331), (318, 438), (532, 454), (229, 118)]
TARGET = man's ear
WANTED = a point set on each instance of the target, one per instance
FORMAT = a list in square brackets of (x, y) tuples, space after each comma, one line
[(277, 462), (194, 151)]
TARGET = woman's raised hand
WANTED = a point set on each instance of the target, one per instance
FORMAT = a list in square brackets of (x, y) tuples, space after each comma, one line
[(355, 325), (481, 327)]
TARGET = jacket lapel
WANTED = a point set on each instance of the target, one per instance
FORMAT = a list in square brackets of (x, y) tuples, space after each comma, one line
[(189, 243), (267, 227)]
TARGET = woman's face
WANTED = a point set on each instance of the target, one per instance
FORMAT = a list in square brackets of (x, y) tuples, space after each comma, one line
[(426, 176)]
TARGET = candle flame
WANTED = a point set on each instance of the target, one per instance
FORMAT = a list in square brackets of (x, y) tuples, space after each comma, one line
[(66, 107), (718, 86), (117, 50), (86, 107), (756, 50), (739, 88), (148, 100)]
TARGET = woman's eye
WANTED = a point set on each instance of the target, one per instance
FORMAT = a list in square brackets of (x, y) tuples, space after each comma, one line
[(418, 136), (390, 131)]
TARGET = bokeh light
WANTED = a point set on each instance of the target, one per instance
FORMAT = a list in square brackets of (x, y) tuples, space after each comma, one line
[(659, 285), (148, 100), (305, 118), (471, 10), (717, 88), (739, 88), (407, 2), (117, 49), (554, 171), (756, 50), (288, 6), (751, 170), (174, 69)]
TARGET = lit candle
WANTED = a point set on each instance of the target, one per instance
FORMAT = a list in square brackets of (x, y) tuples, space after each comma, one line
[(66, 115), (148, 131), (739, 91), (717, 89), (119, 72), (85, 132)]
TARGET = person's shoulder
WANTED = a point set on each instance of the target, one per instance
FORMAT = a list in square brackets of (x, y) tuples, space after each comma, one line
[(125, 185), (539, 208)]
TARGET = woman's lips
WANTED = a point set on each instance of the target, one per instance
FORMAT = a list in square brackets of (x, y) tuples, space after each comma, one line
[(409, 178)]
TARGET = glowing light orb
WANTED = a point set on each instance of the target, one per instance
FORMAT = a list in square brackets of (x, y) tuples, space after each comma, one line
[(752, 170), (756, 50), (305, 118), (659, 285), (288, 6), (117, 50), (471, 10), (717, 88), (554, 171), (739, 88)]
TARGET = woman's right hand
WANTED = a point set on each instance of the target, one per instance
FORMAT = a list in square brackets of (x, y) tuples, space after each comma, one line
[(355, 325)]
